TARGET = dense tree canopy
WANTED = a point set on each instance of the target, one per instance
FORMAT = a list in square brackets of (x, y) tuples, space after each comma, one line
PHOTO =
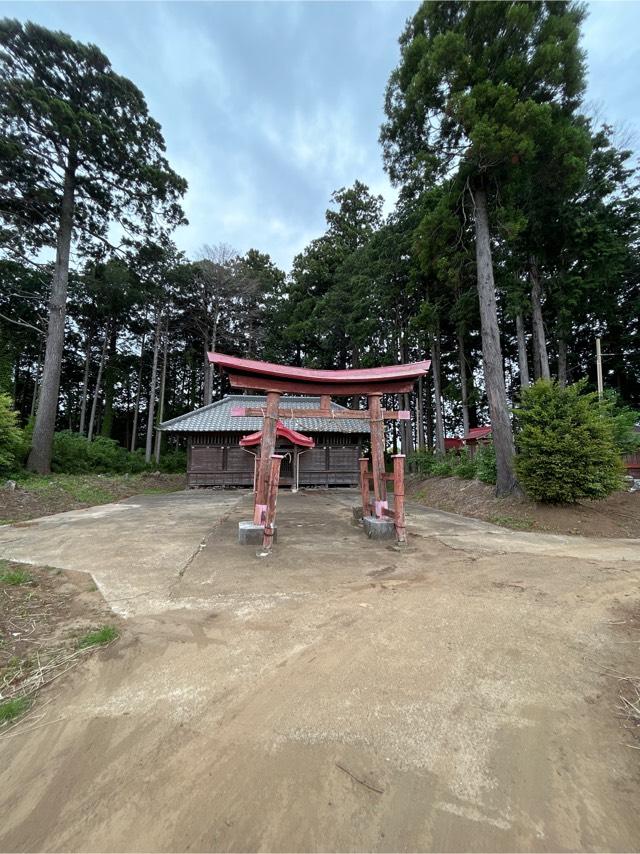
[(513, 244)]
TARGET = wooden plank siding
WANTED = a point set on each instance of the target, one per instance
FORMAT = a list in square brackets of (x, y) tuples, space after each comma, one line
[(217, 460)]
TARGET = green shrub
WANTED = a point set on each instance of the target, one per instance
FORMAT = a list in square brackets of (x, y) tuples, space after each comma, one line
[(74, 454), (422, 461), (453, 463), (464, 464), (566, 445), (624, 419), (11, 436), (485, 460), (173, 462)]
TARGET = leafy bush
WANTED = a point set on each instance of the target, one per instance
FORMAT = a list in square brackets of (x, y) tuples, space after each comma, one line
[(74, 454), (444, 466), (422, 461), (11, 436), (466, 467), (485, 459), (453, 463), (566, 444), (624, 419), (173, 462)]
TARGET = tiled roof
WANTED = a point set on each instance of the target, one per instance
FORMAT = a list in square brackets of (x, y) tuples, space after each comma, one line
[(478, 433), (216, 417)]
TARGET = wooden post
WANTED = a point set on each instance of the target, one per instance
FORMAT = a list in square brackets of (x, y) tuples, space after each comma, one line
[(272, 497), (377, 453), (325, 402), (398, 497), (267, 447), (364, 485)]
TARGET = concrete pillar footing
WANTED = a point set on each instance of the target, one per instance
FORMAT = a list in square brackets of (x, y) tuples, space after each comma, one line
[(250, 534), (379, 529)]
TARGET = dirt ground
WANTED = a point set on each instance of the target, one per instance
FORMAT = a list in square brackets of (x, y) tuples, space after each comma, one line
[(41, 621), (462, 695), (616, 516), (44, 496)]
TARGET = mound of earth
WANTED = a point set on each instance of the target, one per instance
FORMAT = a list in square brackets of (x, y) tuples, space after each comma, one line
[(615, 516)]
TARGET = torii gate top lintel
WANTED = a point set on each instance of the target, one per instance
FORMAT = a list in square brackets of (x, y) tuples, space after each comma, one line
[(267, 376)]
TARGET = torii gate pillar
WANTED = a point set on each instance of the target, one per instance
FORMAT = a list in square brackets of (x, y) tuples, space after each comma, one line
[(267, 449), (376, 421)]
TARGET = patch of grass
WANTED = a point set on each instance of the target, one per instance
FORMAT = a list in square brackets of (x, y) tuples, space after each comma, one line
[(157, 490), (87, 493), (99, 637), (514, 522), (14, 577), (12, 709)]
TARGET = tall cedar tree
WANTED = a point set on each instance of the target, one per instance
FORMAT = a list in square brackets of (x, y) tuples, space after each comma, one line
[(78, 151), (476, 87)]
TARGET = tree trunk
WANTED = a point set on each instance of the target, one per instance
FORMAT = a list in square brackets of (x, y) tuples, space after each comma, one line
[(136, 409), (407, 432), (536, 358), (109, 384), (492, 352), (523, 363), (536, 318), (428, 411), (420, 414), (42, 440), (163, 384), (464, 385), (96, 393), (562, 362), (206, 390), (152, 387), (36, 383), (434, 341), (85, 385)]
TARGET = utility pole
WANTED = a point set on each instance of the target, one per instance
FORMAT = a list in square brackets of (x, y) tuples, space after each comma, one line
[(599, 368)]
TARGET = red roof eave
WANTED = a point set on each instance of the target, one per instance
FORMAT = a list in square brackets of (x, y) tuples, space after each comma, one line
[(284, 432), (478, 433)]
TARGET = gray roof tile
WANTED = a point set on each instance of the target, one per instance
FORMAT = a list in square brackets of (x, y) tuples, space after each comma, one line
[(216, 417)]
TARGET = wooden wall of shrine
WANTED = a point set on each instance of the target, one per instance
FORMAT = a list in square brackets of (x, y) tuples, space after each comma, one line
[(216, 459)]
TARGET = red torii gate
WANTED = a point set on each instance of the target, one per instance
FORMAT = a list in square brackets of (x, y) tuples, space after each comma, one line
[(278, 379)]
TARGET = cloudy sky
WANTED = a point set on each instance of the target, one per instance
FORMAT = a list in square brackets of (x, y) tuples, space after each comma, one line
[(269, 107)]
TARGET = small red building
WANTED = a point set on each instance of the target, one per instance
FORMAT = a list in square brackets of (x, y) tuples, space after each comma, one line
[(477, 436)]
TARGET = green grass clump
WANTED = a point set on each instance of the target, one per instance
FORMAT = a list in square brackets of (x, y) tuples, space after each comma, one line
[(14, 577), (513, 522), (87, 493), (12, 709), (99, 637)]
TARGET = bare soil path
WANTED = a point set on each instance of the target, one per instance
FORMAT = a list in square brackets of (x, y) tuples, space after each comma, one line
[(340, 695)]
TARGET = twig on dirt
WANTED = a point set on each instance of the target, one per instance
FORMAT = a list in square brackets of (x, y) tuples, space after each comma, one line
[(24, 731), (359, 779)]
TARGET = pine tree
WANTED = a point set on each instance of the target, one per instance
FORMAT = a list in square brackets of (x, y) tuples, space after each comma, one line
[(78, 151), (476, 87)]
